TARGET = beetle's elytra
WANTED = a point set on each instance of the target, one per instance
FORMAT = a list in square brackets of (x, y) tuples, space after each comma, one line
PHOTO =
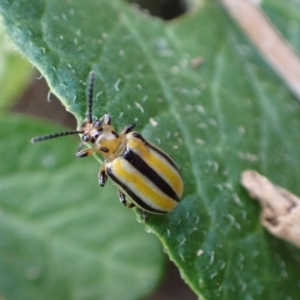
[(145, 176)]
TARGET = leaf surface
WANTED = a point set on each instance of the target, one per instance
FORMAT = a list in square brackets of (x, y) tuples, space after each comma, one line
[(215, 118), (14, 71)]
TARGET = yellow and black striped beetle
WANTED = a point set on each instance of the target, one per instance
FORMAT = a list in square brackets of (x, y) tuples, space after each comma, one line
[(145, 176)]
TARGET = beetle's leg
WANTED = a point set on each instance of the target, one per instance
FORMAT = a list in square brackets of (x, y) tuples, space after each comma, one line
[(80, 146), (106, 119), (128, 128), (102, 177), (84, 153), (123, 200), (144, 214)]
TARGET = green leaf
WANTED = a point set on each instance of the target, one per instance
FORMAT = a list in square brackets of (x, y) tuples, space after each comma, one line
[(15, 71), (216, 119), (62, 236)]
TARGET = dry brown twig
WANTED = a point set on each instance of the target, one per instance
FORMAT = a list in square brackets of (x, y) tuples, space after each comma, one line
[(273, 47), (281, 209)]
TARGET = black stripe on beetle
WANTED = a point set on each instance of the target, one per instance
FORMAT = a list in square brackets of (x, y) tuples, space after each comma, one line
[(142, 167), (164, 155), (132, 195)]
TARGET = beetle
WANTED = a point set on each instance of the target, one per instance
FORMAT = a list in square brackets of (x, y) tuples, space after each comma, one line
[(145, 176)]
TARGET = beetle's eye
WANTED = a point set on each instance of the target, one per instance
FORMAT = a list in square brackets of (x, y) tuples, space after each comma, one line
[(95, 135), (97, 123), (85, 138)]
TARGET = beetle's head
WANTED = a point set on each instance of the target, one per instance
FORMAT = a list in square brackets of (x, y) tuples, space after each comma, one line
[(91, 130)]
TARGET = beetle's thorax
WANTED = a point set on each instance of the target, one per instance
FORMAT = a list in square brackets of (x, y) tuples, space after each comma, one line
[(104, 139), (112, 143)]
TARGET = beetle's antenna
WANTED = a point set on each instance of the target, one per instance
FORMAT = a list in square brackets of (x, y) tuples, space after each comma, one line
[(90, 97), (53, 135)]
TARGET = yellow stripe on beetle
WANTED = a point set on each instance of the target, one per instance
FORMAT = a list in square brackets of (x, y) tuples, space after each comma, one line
[(146, 192), (157, 160), (145, 176)]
